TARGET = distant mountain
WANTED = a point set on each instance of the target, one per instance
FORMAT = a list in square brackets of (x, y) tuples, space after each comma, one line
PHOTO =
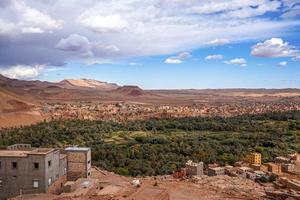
[(130, 90), (10, 101), (86, 83), (16, 83)]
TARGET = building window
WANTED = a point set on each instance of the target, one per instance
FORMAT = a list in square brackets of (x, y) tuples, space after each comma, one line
[(89, 162), (14, 165), (49, 163), (49, 181), (36, 165), (35, 184)]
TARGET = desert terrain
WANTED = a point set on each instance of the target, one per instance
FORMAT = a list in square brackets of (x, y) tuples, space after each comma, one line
[(108, 186), (29, 102)]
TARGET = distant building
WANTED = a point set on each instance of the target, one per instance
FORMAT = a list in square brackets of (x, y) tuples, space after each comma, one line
[(259, 167), (254, 158), (216, 171), (194, 169), (274, 168), (78, 162), (29, 170), (241, 164), (287, 167), (281, 159)]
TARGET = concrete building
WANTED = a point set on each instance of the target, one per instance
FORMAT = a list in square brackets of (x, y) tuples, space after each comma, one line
[(254, 158), (78, 162), (281, 159), (29, 170), (216, 171), (274, 168), (194, 169), (288, 168)]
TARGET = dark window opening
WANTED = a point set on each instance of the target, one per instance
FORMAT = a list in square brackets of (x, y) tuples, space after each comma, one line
[(36, 165), (49, 163), (14, 165)]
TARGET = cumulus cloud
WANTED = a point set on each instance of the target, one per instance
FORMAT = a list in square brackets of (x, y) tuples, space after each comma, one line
[(173, 60), (30, 29), (238, 61), (179, 58), (214, 57), (283, 64), (103, 24), (217, 42), (259, 9), (22, 71), (73, 42), (274, 48), (28, 20)]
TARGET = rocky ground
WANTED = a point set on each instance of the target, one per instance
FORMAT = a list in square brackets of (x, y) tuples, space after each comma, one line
[(109, 186)]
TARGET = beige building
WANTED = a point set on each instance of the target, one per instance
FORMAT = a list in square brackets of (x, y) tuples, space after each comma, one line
[(78, 162), (29, 170), (216, 171), (254, 158), (194, 169)]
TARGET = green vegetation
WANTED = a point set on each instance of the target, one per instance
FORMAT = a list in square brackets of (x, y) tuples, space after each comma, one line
[(159, 146)]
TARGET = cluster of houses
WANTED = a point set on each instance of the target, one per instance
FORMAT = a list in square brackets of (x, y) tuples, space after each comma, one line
[(130, 111), (252, 168), (27, 170)]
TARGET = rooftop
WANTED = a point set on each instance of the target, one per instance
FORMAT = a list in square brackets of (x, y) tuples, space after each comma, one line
[(20, 153), (12, 153), (77, 149)]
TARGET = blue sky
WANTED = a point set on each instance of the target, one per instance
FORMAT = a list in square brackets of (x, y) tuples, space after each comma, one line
[(156, 44)]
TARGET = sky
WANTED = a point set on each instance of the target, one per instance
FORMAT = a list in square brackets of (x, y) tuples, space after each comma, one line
[(155, 44)]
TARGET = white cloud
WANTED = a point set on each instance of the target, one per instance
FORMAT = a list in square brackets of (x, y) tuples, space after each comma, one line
[(274, 48), (184, 55), (6, 27), (73, 42), (22, 71), (135, 64), (28, 20), (103, 24), (218, 42), (32, 30), (179, 58), (238, 61), (260, 9), (173, 60), (283, 64), (214, 57), (131, 28)]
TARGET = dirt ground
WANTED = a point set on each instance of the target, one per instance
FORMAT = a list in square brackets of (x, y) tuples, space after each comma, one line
[(109, 186)]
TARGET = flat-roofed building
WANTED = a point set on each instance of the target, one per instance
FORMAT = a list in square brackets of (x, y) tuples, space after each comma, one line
[(78, 162), (288, 167), (31, 170), (194, 169), (216, 171), (254, 158), (274, 168), (281, 159)]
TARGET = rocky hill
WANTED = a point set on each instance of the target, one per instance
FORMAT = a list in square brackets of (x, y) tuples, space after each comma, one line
[(87, 84)]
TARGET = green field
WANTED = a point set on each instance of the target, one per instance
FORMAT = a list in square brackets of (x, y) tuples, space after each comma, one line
[(160, 146)]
